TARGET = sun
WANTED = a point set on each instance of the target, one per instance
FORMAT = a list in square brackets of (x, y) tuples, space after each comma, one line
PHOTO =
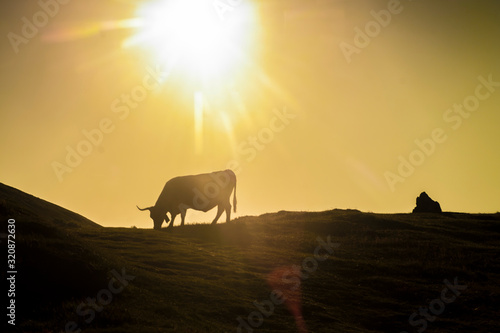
[(192, 36), (207, 47)]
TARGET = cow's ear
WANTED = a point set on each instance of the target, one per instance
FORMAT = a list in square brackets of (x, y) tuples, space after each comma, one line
[(166, 218)]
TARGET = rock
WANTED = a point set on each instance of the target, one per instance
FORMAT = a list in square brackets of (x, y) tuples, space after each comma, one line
[(426, 205)]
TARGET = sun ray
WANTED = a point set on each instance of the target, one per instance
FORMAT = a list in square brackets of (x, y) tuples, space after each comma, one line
[(229, 129), (198, 121), (88, 29)]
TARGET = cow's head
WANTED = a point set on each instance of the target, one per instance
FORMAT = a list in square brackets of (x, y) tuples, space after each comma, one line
[(158, 216)]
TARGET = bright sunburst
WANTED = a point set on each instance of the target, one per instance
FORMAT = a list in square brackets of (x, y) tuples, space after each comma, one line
[(192, 36), (207, 46)]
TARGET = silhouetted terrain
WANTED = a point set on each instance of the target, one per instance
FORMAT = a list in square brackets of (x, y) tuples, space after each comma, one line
[(201, 278)]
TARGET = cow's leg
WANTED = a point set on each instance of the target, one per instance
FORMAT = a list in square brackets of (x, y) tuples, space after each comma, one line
[(183, 215), (228, 212), (220, 209), (172, 221)]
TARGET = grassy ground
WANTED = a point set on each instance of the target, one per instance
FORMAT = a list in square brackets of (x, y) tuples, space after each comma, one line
[(201, 278)]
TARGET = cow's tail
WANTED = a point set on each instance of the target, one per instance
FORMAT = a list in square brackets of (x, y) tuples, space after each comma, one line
[(234, 196)]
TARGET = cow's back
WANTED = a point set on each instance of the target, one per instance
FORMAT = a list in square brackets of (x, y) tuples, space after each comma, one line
[(201, 192)]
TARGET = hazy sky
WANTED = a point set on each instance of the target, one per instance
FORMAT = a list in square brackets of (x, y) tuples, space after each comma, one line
[(331, 104)]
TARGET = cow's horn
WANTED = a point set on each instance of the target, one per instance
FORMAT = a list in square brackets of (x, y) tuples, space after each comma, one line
[(148, 208)]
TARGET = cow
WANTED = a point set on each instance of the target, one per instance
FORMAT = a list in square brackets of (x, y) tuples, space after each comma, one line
[(200, 192)]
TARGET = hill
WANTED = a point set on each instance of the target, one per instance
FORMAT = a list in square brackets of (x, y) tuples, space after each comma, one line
[(339, 270)]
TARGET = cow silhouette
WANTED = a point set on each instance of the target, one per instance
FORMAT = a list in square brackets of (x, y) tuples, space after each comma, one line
[(199, 192)]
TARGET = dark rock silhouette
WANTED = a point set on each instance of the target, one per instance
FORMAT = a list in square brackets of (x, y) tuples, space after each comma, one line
[(426, 205)]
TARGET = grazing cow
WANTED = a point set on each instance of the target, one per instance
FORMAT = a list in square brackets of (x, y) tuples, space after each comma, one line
[(200, 192)]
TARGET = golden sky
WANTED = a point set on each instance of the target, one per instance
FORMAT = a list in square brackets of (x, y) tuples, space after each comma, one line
[(314, 104)]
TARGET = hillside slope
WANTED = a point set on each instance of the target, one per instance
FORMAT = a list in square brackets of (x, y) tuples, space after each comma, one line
[(75, 275), (54, 265)]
